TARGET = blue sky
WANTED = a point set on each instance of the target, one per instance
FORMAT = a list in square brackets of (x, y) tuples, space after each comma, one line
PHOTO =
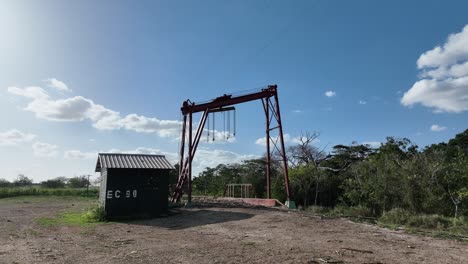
[(112, 75)]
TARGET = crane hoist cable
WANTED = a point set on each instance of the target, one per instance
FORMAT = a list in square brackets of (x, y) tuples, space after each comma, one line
[(234, 122), (214, 132), (228, 124), (208, 130)]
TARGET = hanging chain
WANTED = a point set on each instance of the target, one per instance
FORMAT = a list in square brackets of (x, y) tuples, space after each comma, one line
[(234, 122), (214, 132), (208, 130)]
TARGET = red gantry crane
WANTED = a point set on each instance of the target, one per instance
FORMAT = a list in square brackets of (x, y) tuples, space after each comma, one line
[(269, 97)]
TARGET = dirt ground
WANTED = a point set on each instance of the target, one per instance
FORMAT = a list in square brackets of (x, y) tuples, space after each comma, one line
[(212, 233)]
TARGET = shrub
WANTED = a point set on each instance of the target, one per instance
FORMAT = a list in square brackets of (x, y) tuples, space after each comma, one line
[(78, 182), (95, 214), (318, 209), (396, 216), (355, 211)]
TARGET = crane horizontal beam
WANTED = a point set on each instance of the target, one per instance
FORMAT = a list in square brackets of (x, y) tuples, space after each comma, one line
[(222, 109), (227, 100)]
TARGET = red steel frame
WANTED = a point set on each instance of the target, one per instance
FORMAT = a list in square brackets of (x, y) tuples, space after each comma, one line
[(269, 97)]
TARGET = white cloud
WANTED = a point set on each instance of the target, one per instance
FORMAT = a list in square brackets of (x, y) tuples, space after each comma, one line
[(361, 102), (32, 92), (330, 93), (165, 128), (443, 83), (79, 108), (297, 111), (212, 158), (103, 118), (452, 52), (42, 149), (286, 137), (15, 137), (437, 128), (70, 109), (59, 85), (77, 154)]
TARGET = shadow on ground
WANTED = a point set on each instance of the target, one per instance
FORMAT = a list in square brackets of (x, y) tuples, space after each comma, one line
[(181, 219)]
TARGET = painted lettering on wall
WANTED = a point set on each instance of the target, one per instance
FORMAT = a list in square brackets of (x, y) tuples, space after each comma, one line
[(116, 194)]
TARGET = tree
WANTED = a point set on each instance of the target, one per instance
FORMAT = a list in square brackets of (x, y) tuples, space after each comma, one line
[(205, 183), (307, 173), (254, 172), (174, 175), (304, 152), (79, 182), (395, 175), (22, 180), (344, 156), (54, 183), (454, 180), (459, 143), (378, 181), (5, 183), (304, 179)]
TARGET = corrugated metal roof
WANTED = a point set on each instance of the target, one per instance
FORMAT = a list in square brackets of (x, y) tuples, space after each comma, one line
[(132, 161)]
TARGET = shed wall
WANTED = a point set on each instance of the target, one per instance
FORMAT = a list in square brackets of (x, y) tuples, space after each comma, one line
[(102, 188), (136, 192)]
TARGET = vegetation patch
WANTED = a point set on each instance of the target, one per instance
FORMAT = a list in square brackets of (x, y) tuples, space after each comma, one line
[(46, 199), (435, 225), (398, 218), (40, 191), (356, 211), (403, 217), (90, 217)]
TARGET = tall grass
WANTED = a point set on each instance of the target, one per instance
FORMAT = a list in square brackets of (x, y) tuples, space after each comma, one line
[(402, 217), (38, 191), (435, 225)]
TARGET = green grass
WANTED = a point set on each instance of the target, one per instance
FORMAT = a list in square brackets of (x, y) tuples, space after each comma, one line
[(90, 217), (46, 199), (64, 219), (38, 191)]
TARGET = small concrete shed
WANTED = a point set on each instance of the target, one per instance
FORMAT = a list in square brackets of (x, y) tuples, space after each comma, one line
[(133, 185)]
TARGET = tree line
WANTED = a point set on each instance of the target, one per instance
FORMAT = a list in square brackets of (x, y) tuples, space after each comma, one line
[(59, 182), (395, 175)]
